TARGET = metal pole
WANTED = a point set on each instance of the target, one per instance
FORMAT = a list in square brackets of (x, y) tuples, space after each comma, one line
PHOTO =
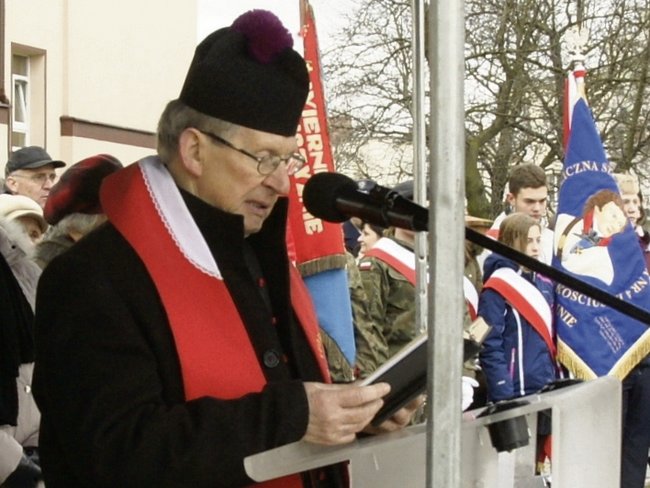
[(419, 159), (579, 13), (446, 238)]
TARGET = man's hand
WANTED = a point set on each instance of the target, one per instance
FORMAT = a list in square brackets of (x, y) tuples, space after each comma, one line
[(338, 412)]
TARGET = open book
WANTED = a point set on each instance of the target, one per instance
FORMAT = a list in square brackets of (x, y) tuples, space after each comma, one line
[(406, 371)]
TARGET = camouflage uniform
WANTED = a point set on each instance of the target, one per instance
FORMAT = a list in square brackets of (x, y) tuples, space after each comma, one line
[(391, 298), (370, 344), (372, 349), (340, 369)]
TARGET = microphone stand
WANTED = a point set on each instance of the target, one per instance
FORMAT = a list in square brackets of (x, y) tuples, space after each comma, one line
[(404, 213), (395, 209)]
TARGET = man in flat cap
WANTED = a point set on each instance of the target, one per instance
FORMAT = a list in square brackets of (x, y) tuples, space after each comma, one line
[(31, 172), (177, 339)]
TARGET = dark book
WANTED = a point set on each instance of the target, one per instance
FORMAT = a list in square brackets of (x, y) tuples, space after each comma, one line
[(406, 371)]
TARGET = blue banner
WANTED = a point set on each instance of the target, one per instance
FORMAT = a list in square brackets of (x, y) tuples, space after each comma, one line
[(595, 242), (331, 295)]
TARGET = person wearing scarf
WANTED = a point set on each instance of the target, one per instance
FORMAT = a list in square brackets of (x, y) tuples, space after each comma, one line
[(19, 416), (177, 339)]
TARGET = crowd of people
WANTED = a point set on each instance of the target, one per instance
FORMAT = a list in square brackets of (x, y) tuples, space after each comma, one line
[(519, 355), (40, 217), (175, 338), (155, 332)]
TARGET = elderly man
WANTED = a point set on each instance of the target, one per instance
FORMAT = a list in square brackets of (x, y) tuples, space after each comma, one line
[(31, 172), (177, 339)]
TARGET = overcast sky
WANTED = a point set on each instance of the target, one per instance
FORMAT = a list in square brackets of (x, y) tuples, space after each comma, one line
[(214, 14)]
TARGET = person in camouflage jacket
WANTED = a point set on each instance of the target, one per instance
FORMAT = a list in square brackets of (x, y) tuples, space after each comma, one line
[(391, 294), (372, 349), (371, 346)]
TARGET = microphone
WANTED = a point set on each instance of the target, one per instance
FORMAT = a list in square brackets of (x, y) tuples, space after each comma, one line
[(335, 198)]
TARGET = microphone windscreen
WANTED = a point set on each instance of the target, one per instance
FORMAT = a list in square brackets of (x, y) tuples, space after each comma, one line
[(321, 192)]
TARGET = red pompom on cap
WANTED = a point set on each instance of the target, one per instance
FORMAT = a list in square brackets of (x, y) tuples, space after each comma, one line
[(266, 35)]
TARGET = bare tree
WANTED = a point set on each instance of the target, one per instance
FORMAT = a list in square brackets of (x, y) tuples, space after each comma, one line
[(515, 69), (369, 78)]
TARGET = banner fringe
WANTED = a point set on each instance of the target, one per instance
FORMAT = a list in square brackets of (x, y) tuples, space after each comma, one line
[(573, 363), (620, 370), (319, 265)]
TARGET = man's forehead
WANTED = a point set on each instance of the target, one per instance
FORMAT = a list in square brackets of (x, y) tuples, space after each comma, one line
[(528, 193), (256, 140), (48, 168)]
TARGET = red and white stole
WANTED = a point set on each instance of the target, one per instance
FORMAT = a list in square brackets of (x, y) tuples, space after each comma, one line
[(215, 352), (527, 300), (471, 297), (395, 256), (216, 356)]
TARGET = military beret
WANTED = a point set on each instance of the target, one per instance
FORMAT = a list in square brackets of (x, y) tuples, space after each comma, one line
[(77, 191)]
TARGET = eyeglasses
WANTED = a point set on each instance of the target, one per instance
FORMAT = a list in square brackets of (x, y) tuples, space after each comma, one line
[(265, 164), (38, 178)]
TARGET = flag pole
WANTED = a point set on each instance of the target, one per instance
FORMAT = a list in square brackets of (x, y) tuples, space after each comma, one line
[(318, 245), (575, 40)]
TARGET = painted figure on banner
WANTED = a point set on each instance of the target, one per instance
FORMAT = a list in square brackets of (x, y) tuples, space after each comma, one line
[(582, 242)]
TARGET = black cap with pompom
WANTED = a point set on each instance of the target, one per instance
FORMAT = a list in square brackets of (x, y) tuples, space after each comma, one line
[(249, 74)]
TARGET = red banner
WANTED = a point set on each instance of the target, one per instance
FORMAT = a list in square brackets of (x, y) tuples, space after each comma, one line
[(313, 238), (574, 89)]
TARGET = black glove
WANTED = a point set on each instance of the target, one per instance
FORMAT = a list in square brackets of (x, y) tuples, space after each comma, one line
[(26, 475)]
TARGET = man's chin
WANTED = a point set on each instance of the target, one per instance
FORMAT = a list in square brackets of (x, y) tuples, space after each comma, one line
[(252, 225)]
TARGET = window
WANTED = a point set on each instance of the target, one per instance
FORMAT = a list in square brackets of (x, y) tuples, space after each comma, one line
[(20, 107)]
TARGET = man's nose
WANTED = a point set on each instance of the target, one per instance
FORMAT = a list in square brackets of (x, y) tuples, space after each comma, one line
[(278, 180)]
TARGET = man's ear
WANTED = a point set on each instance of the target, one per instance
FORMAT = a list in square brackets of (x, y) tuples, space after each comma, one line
[(190, 150), (11, 184)]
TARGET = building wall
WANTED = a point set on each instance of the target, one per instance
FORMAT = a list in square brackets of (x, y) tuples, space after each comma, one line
[(130, 59), (103, 71)]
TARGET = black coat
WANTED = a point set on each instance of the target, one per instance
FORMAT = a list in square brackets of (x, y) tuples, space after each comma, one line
[(108, 380)]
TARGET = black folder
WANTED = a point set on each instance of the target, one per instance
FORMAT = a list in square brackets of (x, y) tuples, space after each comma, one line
[(406, 371)]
